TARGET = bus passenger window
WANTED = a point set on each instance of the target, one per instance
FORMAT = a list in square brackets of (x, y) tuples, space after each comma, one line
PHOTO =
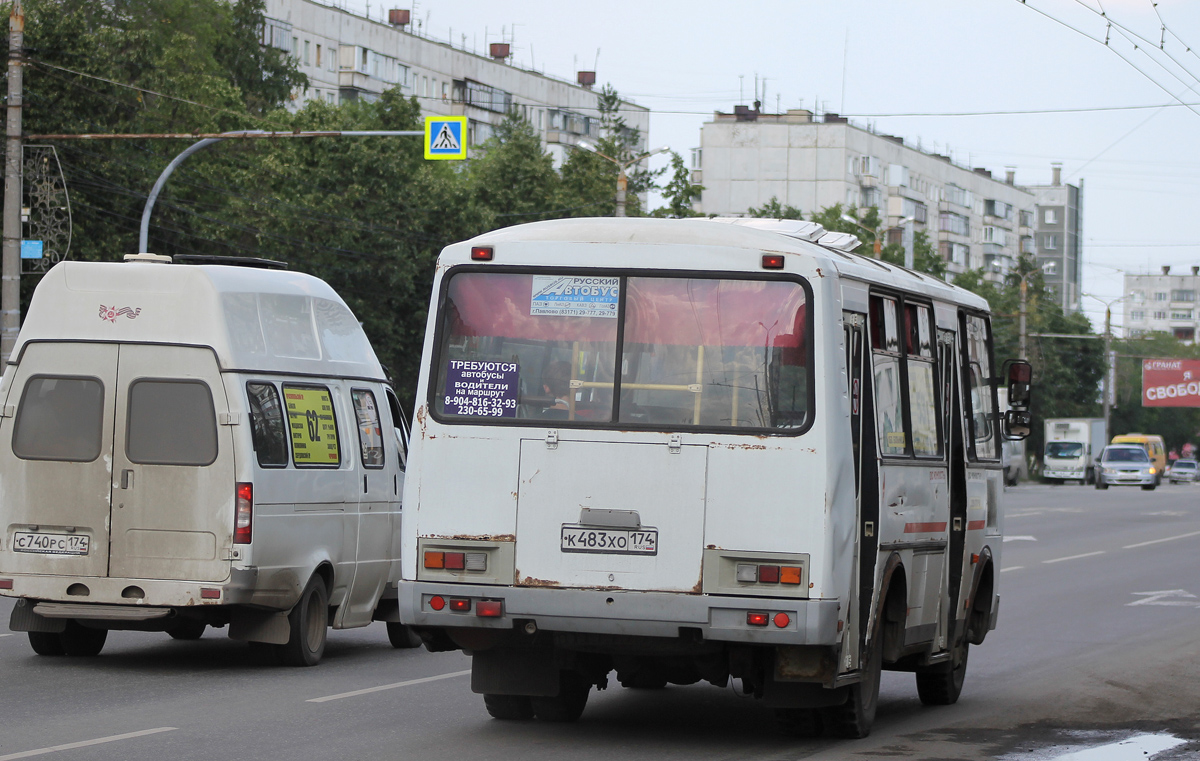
[(266, 425), (922, 399), (979, 357), (889, 412)]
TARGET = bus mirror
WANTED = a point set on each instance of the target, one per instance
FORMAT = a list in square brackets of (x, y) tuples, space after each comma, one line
[(1019, 374), (1017, 424)]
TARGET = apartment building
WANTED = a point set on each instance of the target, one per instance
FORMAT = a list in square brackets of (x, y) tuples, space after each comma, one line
[(974, 219), (1058, 237), (348, 56), (1165, 303)]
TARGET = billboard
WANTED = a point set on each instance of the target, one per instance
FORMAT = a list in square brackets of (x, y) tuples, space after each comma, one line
[(1170, 383)]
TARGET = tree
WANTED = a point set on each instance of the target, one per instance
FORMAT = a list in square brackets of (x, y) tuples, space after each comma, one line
[(512, 178), (773, 209), (679, 192)]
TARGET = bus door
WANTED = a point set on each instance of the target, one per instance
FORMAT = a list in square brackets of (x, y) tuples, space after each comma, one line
[(866, 478), (953, 422)]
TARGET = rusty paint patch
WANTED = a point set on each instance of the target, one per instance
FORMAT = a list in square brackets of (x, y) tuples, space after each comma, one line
[(476, 537), (819, 274), (711, 547), (529, 581)]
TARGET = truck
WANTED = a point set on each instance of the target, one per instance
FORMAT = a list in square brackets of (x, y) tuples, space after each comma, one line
[(1072, 446)]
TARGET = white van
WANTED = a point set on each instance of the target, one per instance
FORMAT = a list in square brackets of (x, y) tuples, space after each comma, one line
[(193, 445)]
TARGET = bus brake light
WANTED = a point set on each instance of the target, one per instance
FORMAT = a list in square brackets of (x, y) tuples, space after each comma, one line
[(772, 261), (757, 619)]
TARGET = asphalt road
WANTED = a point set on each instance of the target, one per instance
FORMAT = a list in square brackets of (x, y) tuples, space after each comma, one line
[(1099, 638)]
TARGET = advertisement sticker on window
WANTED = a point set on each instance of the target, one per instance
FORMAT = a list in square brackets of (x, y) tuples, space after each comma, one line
[(481, 389), (313, 428), (570, 296)]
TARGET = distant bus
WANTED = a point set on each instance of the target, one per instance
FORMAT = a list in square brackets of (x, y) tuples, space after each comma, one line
[(1155, 447), (688, 450)]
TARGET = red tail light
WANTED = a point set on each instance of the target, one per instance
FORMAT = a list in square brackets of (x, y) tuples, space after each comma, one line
[(243, 523), (6, 583), (489, 608), (757, 619), (481, 253), (772, 261)]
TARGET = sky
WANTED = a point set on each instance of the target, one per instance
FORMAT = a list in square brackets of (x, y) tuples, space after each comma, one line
[(1110, 112)]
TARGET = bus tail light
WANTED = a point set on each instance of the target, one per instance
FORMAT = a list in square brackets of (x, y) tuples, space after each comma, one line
[(489, 608), (460, 604), (243, 522), (437, 602), (757, 619), (6, 584), (772, 261), (454, 561), (790, 574), (481, 253), (782, 620), (435, 560)]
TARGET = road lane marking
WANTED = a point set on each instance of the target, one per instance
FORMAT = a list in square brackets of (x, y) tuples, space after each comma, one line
[(1075, 557), (1160, 598), (1011, 568), (6, 635), (1020, 538), (383, 687), (1159, 541), (85, 743)]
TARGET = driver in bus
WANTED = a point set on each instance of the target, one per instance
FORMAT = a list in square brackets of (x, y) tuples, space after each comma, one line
[(556, 383)]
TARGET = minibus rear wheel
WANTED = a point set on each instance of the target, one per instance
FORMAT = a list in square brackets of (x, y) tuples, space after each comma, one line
[(401, 636), (187, 629), (308, 623), (82, 641), (509, 707), (46, 643)]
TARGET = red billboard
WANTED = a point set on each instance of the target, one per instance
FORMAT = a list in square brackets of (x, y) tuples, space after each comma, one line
[(1171, 383)]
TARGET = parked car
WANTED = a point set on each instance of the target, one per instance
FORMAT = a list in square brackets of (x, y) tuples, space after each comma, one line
[(1183, 472), (1126, 465)]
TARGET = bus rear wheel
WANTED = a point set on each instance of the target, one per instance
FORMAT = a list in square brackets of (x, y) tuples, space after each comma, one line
[(82, 641), (46, 643), (941, 684), (568, 704), (509, 707), (853, 719)]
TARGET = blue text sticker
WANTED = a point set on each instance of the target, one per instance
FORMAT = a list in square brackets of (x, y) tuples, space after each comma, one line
[(573, 296), (481, 389)]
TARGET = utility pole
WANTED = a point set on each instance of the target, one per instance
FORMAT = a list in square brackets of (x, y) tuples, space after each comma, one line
[(1021, 322), (1109, 370), (10, 252)]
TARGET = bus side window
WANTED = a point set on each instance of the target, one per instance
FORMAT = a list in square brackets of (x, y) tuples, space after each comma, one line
[(978, 359), (922, 383), (889, 411), (399, 427)]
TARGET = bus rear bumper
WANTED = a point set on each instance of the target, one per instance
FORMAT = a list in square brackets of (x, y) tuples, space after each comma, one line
[(646, 614)]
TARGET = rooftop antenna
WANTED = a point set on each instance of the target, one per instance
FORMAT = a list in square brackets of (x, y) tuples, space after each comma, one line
[(596, 62), (845, 48), (741, 92)]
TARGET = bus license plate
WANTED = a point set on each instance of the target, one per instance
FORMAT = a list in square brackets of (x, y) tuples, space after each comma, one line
[(642, 541), (52, 544)]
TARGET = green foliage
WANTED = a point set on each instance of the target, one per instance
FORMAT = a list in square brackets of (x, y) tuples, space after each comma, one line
[(511, 179), (773, 209), (679, 192), (1066, 372)]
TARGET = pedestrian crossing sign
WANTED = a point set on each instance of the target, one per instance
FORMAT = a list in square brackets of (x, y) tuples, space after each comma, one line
[(445, 137)]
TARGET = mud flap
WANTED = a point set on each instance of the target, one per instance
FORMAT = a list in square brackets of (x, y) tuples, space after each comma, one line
[(802, 695), (259, 626), (387, 610), (23, 619), (506, 671)]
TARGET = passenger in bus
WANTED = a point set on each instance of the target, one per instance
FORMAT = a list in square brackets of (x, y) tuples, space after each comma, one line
[(556, 382)]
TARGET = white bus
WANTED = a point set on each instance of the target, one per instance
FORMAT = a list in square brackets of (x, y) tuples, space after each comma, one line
[(682, 450)]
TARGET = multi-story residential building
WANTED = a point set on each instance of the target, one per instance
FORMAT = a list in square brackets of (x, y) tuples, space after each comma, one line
[(1163, 303), (347, 57), (1058, 237), (973, 219)]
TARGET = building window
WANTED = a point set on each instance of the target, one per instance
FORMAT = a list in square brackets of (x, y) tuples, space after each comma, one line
[(1026, 218), (1051, 243), (955, 223), (958, 196), (1160, 296), (307, 49), (1051, 217), (915, 209), (1185, 334), (332, 59), (1183, 295), (897, 175), (956, 253), (1160, 315), (870, 197), (1027, 244), (851, 198), (994, 235), (318, 61), (277, 34), (998, 209), (494, 99), (329, 97), (1182, 315), (869, 166)]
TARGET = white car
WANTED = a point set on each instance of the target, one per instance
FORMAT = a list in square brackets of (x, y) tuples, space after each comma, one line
[(1183, 472), (1126, 465)]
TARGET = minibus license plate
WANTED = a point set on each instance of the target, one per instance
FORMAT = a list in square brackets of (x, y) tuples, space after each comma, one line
[(642, 541), (52, 544)]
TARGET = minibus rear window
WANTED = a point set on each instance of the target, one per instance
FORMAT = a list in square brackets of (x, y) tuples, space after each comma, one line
[(171, 423), (685, 351), (59, 419)]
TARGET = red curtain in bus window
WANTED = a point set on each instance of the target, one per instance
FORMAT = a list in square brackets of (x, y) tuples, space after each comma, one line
[(498, 304), (710, 312)]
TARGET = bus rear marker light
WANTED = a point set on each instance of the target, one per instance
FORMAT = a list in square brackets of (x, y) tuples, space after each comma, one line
[(437, 602), (747, 572), (772, 261), (489, 608), (460, 604), (208, 593), (476, 561), (782, 620), (455, 561), (435, 560), (756, 619), (6, 583), (481, 253), (789, 574), (768, 574)]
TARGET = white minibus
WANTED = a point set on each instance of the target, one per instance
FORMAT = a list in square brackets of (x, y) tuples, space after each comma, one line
[(195, 445), (685, 450)]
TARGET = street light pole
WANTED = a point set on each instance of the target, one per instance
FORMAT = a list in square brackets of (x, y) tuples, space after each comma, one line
[(1110, 368), (10, 251), (622, 178)]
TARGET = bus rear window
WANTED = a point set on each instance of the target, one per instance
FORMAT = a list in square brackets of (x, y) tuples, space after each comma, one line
[(684, 351)]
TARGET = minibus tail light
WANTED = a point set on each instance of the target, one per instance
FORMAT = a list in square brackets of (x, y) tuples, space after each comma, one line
[(772, 261), (481, 253), (489, 608), (757, 619), (768, 574), (243, 523), (6, 583), (455, 561)]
